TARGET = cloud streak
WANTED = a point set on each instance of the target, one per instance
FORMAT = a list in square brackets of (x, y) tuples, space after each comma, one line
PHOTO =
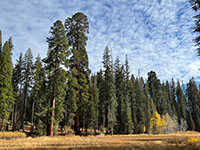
[(156, 35)]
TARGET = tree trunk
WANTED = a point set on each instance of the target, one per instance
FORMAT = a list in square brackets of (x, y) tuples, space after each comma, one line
[(14, 119), (77, 125), (32, 115)]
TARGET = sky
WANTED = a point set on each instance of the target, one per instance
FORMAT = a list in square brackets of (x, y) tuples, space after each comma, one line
[(155, 34)]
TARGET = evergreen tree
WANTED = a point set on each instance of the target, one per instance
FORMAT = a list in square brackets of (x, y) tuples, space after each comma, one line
[(17, 92), (194, 105), (6, 91), (154, 89), (27, 74), (181, 104), (102, 102), (77, 28), (127, 111), (110, 92), (39, 105), (196, 6), (70, 101), (173, 98), (94, 101), (57, 56), (140, 106)]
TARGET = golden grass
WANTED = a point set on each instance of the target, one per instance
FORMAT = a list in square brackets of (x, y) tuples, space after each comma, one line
[(177, 141), (12, 135)]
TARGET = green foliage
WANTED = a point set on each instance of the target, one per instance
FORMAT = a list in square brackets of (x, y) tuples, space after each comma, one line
[(6, 90), (77, 28), (57, 56)]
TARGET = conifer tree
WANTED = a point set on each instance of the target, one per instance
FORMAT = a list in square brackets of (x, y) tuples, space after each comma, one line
[(6, 90), (173, 98), (94, 101), (57, 55), (140, 106), (181, 104), (132, 95), (194, 105), (154, 89), (27, 73), (110, 92), (77, 28), (39, 105), (196, 6), (127, 111), (17, 91), (102, 102)]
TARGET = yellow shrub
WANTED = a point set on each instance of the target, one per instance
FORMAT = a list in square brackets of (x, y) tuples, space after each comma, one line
[(11, 135), (193, 140)]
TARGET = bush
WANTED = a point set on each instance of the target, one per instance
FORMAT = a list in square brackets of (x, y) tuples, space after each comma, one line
[(68, 130), (12, 135)]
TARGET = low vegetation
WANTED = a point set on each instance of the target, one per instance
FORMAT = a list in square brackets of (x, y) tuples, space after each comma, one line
[(178, 141), (12, 135)]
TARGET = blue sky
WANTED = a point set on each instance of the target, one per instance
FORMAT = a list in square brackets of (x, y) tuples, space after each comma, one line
[(155, 34)]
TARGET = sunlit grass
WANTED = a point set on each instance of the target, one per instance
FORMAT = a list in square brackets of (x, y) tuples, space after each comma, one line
[(177, 141)]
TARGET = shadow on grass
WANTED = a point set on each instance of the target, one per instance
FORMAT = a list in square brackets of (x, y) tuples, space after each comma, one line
[(145, 147)]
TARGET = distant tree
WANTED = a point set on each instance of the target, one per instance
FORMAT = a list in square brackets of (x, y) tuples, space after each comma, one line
[(102, 101), (56, 58), (193, 105), (181, 104), (94, 101), (17, 92), (39, 104), (110, 92), (140, 106), (27, 77), (6, 90), (173, 100), (77, 28), (154, 89)]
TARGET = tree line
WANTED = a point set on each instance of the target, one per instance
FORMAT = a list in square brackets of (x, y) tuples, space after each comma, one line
[(59, 91)]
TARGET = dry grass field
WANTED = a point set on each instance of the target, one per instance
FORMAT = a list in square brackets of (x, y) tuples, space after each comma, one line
[(179, 141)]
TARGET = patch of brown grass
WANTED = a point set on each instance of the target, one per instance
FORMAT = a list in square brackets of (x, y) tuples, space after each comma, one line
[(177, 141)]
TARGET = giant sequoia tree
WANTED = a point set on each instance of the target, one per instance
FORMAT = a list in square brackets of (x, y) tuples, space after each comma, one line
[(57, 56), (77, 28)]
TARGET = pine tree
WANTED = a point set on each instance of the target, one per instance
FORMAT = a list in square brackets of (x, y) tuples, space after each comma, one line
[(110, 92), (181, 104), (27, 73), (57, 56), (194, 105), (17, 91), (77, 28), (70, 101), (39, 105), (102, 102), (94, 101), (173, 98), (140, 106), (6, 90), (154, 89), (127, 108)]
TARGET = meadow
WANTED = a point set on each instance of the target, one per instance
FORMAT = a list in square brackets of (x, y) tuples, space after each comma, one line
[(179, 141)]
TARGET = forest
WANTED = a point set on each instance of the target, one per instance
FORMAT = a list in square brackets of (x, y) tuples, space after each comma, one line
[(61, 93)]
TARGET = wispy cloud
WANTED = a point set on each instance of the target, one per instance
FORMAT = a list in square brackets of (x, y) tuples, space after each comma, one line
[(156, 35)]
